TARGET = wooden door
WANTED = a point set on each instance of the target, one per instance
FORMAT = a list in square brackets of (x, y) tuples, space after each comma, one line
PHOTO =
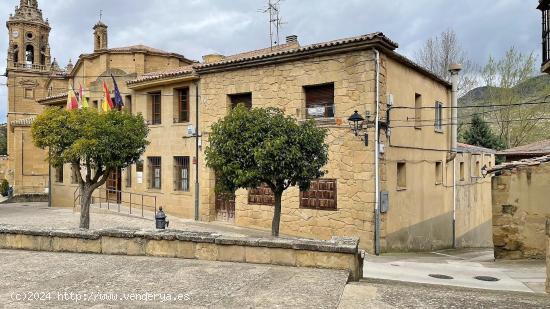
[(225, 207), (114, 186)]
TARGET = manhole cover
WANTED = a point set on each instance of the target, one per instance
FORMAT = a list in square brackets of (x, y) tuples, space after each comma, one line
[(486, 278), (439, 276)]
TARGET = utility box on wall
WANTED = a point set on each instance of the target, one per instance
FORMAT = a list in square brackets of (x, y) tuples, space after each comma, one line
[(384, 201)]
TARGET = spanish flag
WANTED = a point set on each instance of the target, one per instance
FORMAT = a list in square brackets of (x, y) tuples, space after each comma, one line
[(83, 99), (107, 103), (72, 101)]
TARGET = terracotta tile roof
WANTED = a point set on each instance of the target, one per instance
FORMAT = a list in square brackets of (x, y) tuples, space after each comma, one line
[(135, 48), (474, 149), (294, 48), (25, 122), (185, 70), (521, 163), (283, 49), (537, 148), (53, 97)]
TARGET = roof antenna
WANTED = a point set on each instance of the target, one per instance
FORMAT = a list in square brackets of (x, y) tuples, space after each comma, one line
[(275, 21)]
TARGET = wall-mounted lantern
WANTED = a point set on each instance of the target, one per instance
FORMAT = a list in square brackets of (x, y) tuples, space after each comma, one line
[(356, 123)]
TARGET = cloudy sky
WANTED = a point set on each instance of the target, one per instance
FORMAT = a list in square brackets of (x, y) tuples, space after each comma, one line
[(197, 27)]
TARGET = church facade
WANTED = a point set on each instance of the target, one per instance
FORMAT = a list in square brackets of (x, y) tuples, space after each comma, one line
[(408, 204)]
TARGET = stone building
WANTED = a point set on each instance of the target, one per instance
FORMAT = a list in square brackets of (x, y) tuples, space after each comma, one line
[(397, 192), (520, 208)]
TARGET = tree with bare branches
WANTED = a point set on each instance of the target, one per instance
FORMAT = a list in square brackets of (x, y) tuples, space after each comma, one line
[(439, 52)]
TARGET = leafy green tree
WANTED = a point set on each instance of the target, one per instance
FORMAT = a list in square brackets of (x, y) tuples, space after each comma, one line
[(262, 145), (3, 139), (93, 143), (480, 134)]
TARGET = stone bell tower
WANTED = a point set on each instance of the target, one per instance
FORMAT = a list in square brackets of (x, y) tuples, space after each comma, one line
[(28, 69), (100, 36)]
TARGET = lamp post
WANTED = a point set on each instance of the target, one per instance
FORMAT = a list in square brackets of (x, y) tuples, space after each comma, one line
[(356, 123)]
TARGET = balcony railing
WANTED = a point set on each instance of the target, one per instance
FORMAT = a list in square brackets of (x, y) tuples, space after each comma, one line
[(316, 112), (545, 35), (28, 66)]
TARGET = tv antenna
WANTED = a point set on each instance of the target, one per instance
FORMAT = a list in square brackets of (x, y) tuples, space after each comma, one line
[(275, 21)]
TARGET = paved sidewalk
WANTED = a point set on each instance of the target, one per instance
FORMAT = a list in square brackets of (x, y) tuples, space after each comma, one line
[(382, 294), (40, 215), (190, 283), (462, 265)]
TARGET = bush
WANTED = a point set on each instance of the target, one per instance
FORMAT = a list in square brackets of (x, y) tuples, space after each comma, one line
[(4, 187)]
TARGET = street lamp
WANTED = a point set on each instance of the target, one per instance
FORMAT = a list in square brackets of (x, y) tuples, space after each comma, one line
[(356, 122)]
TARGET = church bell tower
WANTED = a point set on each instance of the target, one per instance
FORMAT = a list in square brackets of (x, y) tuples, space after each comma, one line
[(28, 69)]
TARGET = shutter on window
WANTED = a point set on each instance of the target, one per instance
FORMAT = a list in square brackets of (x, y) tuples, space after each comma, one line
[(319, 95)]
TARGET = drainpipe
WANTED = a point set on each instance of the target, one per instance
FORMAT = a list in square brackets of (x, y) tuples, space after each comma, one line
[(454, 69), (377, 159), (197, 217)]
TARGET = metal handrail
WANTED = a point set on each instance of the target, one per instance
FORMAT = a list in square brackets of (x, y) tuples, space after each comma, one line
[(118, 201)]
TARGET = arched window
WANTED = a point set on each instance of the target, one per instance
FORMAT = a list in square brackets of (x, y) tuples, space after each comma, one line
[(29, 54), (15, 54), (43, 56), (98, 41)]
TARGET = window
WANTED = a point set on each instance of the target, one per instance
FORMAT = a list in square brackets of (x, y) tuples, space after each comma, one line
[(321, 195), (155, 108), (154, 172), (29, 55), (417, 111), (261, 195), (129, 177), (29, 93), (95, 104), (139, 166), (128, 103), (320, 101), (244, 98), (438, 116), (478, 169), (401, 175), (438, 173), (73, 175), (181, 170), (59, 174), (462, 177), (181, 107)]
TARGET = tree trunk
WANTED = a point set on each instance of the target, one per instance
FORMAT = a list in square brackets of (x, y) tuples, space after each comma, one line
[(85, 200), (276, 215)]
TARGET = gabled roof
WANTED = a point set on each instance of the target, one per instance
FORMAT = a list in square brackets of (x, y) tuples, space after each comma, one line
[(521, 163), (474, 149), (539, 148), (181, 71)]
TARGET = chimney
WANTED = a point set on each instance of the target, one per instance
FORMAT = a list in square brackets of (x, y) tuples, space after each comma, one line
[(212, 58), (455, 70), (292, 39)]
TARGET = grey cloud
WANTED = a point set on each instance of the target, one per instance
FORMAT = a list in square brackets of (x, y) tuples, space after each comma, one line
[(198, 27)]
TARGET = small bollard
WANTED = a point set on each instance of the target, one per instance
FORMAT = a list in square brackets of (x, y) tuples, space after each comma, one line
[(160, 220)]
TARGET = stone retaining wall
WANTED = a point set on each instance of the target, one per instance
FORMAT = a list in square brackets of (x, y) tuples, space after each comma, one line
[(547, 255), (337, 253)]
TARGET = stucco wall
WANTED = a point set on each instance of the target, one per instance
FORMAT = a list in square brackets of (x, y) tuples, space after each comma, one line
[(520, 209)]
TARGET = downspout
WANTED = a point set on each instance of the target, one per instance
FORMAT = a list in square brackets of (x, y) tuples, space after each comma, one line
[(377, 159), (197, 217), (454, 69)]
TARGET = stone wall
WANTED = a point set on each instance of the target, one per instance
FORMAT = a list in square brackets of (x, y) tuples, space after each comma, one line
[(547, 255), (520, 209), (338, 253)]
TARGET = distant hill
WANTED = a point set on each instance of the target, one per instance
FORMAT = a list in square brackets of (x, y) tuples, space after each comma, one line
[(534, 89)]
